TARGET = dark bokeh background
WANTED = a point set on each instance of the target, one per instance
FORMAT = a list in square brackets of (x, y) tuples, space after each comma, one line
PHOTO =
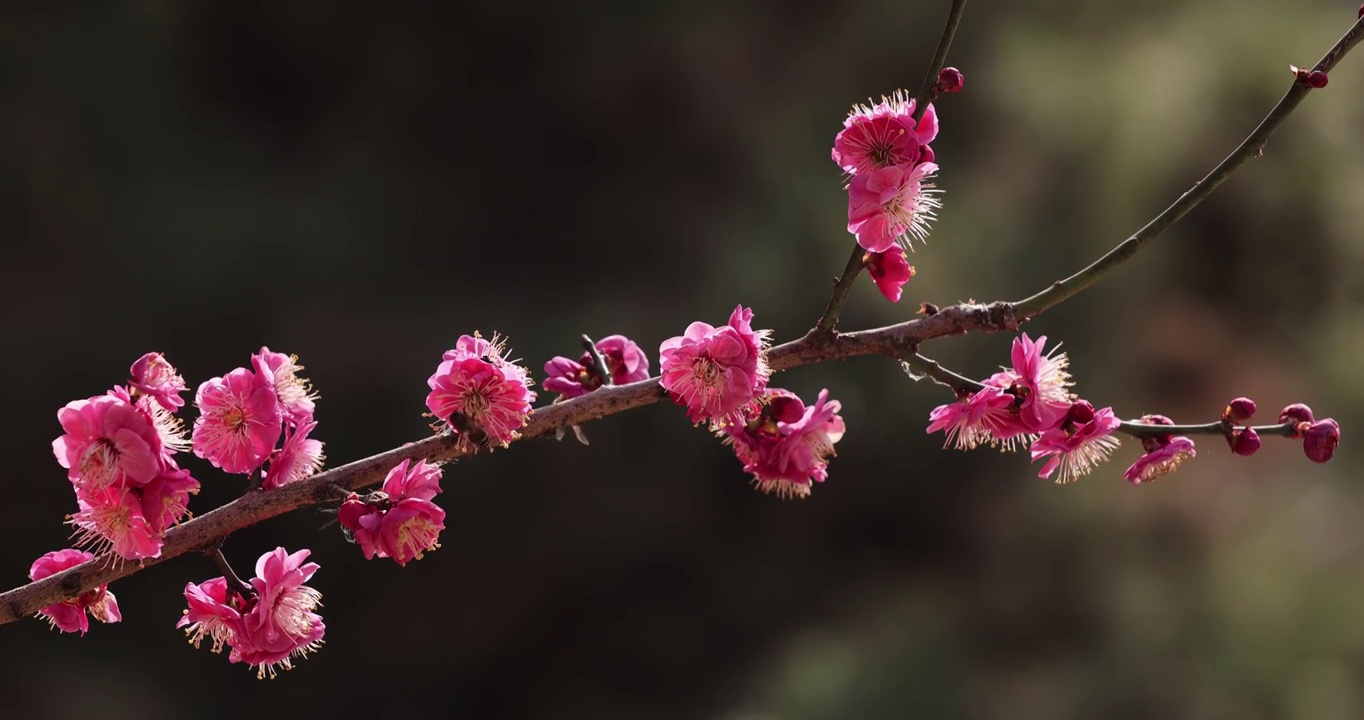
[(360, 185)]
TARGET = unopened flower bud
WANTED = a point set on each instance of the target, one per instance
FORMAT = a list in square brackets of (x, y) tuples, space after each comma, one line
[(1321, 440), (1081, 412), (1296, 413), (785, 409), (1317, 79), (1238, 411), (926, 154), (950, 80), (1155, 442), (1244, 441)]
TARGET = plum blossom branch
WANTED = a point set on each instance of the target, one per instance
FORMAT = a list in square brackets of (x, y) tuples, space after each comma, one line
[(233, 580), (1139, 429), (843, 285), (1252, 146)]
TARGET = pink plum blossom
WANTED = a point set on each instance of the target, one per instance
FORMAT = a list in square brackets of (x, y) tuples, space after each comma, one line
[(477, 392), (973, 420), (1042, 382), (239, 421), (716, 372), (295, 395), (112, 518), (155, 377), (786, 445), (1082, 439), (298, 457), (883, 135), (890, 270), (890, 205), (165, 500), (572, 378), (1160, 461), (400, 522), (70, 615), (270, 627), (109, 442)]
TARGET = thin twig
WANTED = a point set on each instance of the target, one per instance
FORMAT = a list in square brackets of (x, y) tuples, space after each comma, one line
[(1252, 146), (842, 285), (934, 370), (230, 575), (598, 361), (926, 91)]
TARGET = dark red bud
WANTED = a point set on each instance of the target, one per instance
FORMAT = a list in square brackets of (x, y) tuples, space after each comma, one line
[(1245, 441), (1297, 412), (1080, 413), (1153, 443), (1321, 440), (1317, 79), (1238, 411), (950, 80), (786, 409), (926, 154)]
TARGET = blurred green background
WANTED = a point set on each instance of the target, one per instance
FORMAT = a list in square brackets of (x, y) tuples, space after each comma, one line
[(361, 184)]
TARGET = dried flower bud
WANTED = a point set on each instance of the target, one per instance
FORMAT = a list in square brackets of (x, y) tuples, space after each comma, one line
[(1317, 79), (1321, 440), (1297, 413), (950, 80), (1238, 411), (1244, 442)]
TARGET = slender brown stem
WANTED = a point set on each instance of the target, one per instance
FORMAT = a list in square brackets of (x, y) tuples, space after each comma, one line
[(927, 90), (1251, 147), (829, 319), (1139, 429), (598, 361), (230, 575)]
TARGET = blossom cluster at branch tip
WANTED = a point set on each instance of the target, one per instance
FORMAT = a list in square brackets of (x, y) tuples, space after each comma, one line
[(268, 628), (119, 453), (717, 373), (572, 378), (480, 395), (785, 444), (71, 615), (887, 159), (400, 521)]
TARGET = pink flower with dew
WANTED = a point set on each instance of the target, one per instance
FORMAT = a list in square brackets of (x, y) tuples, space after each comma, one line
[(109, 442), (716, 372), (156, 378), (239, 421), (1042, 382), (883, 135), (111, 518), (295, 394), (70, 615), (281, 626), (474, 395), (973, 420), (214, 612), (165, 500), (298, 457), (1074, 448), (890, 205), (890, 270), (571, 378), (401, 522), (785, 444), (1161, 461)]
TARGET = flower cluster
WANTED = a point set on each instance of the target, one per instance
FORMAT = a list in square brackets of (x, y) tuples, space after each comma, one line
[(716, 373), (784, 443), (624, 359), (400, 521), (887, 158), (267, 625), (70, 615), (244, 414), (1030, 403), (479, 394), (119, 453)]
